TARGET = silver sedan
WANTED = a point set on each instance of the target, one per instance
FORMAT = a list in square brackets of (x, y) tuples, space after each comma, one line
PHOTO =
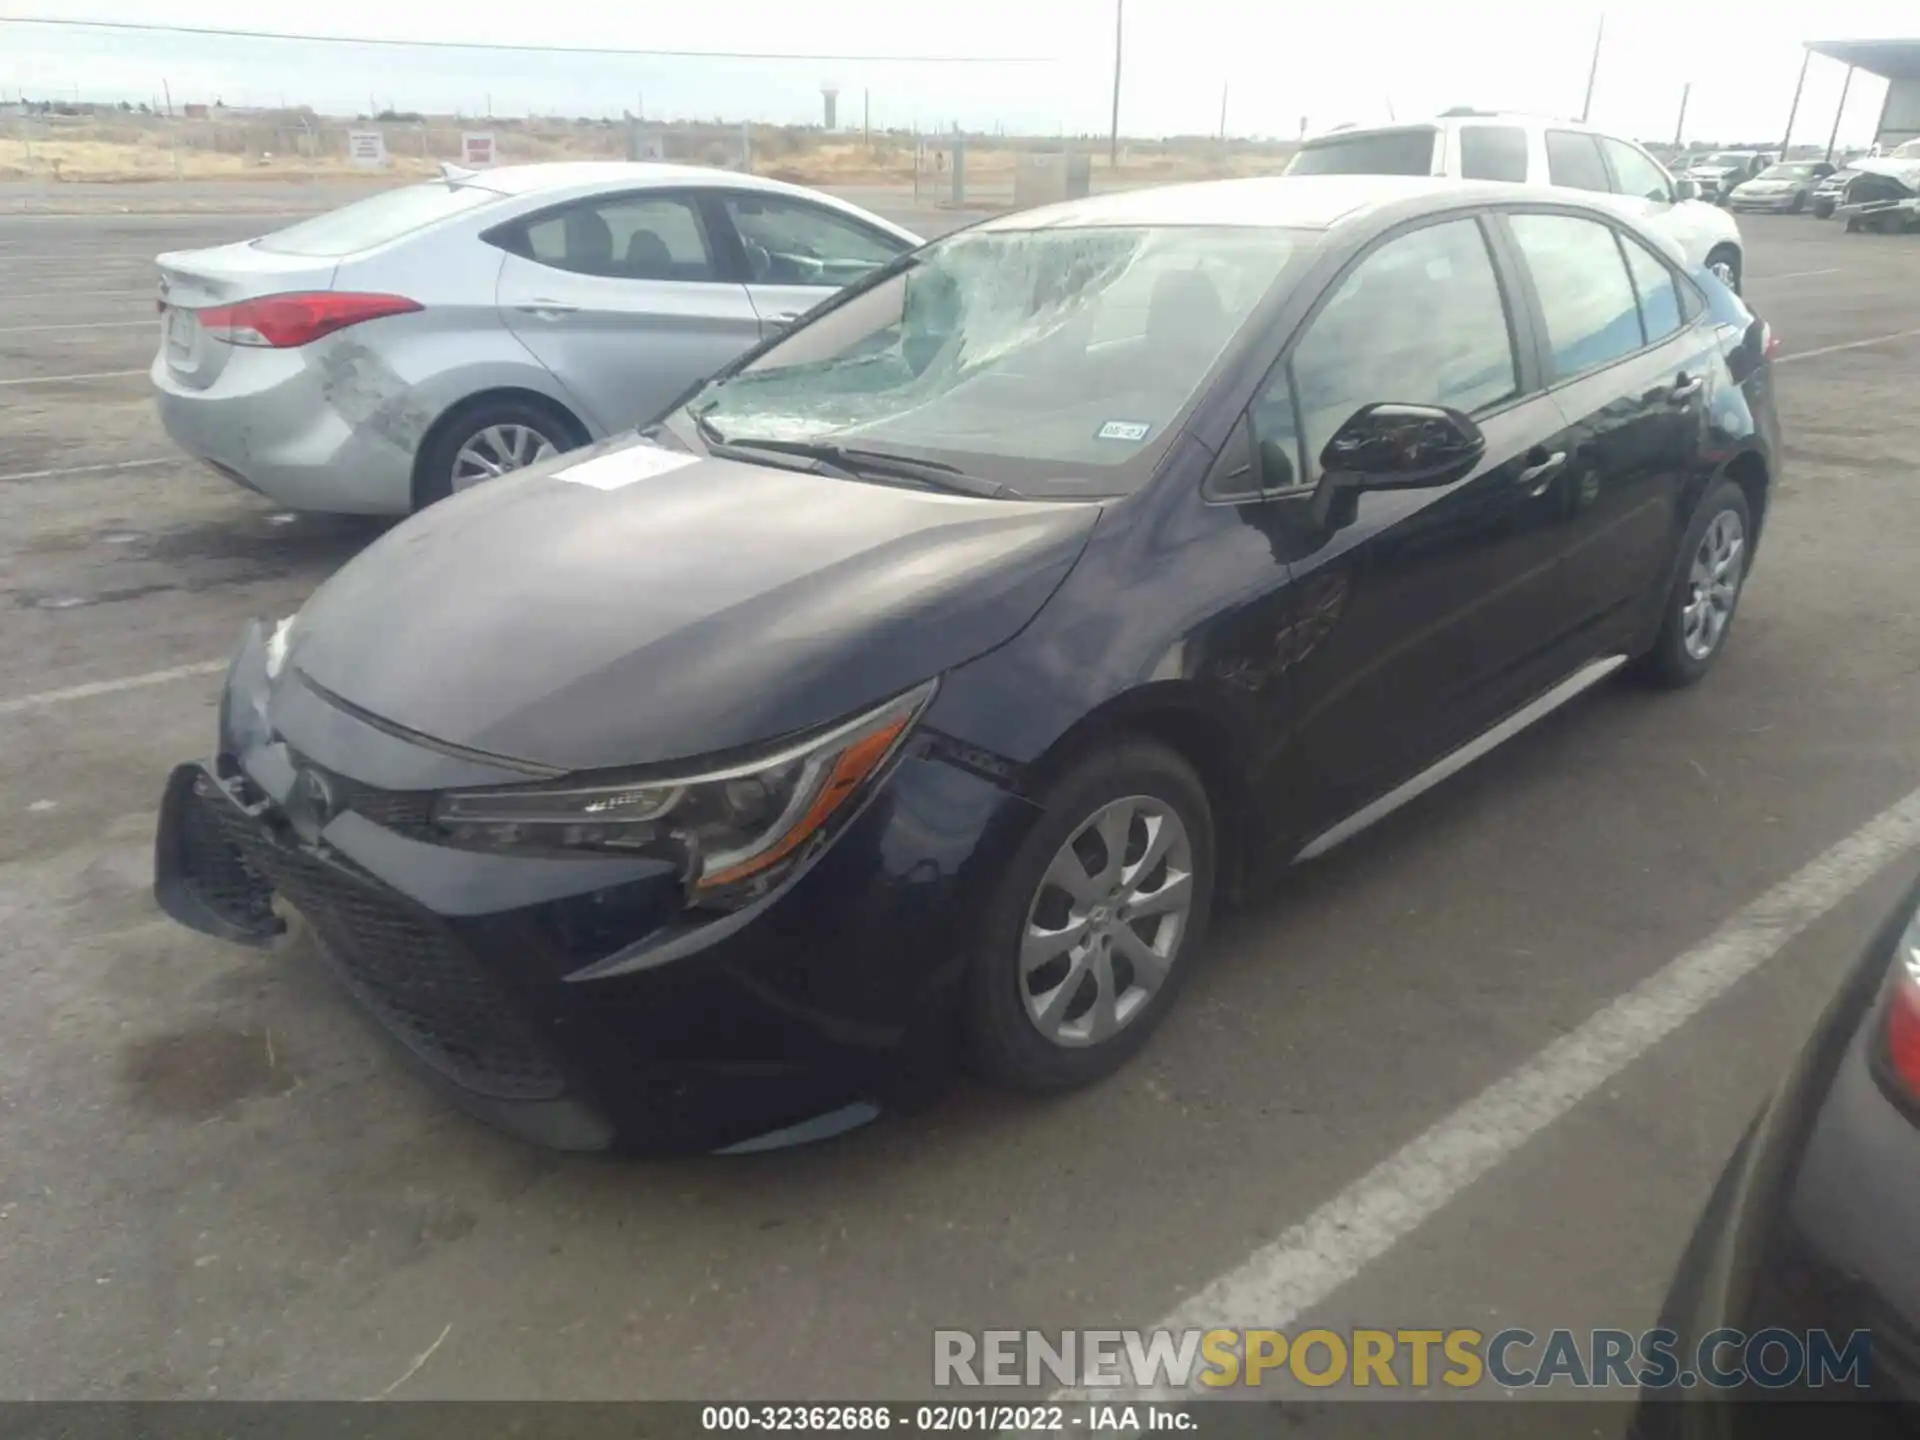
[(379, 357)]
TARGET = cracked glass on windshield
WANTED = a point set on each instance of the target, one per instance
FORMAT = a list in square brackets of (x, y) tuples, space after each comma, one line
[(1057, 360)]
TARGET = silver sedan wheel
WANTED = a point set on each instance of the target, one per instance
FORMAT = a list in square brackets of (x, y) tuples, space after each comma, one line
[(1722, 270), (496, 450), (1105, 926), (1713, 584)]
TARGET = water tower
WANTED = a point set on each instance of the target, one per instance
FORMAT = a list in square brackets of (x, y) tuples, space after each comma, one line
[(830, 92)]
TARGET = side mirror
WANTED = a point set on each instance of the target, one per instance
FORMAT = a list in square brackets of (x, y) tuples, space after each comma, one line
[(1685, 189), (1392, 446)]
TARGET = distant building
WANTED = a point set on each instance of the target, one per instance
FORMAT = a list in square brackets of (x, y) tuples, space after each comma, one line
[(195, 111)]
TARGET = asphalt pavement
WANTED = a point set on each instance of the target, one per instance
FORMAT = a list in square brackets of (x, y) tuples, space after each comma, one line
[(217, 1182)]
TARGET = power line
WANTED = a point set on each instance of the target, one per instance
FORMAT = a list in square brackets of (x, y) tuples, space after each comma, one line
[(152, 28)]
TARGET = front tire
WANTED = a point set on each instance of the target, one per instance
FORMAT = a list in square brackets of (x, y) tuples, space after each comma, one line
[(1090, 932), (1715, 557), (1823, 209), (1724, 264), (492, 436)]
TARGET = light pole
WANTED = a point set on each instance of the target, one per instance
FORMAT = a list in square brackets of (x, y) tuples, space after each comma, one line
[(1113, 138), (1680, 125), (1838, 111), (1794, 112), (1593, 70)]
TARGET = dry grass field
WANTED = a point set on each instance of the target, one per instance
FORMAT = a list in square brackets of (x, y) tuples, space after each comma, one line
[(295, 145)]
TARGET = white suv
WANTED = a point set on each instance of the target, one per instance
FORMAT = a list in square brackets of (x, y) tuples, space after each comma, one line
[(1484, 145)]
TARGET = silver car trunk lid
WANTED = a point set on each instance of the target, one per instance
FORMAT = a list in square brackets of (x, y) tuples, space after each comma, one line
[(195, 280)]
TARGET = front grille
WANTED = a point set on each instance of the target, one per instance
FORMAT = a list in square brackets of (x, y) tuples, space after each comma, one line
[(217, 867), (405, 967)]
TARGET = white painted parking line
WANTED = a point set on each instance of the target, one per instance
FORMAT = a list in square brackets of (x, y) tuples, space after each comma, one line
[(63, 379), (1797, 274), (1788, 359), (1312, 1259), (99, 469), (84, 325), (109, 687)]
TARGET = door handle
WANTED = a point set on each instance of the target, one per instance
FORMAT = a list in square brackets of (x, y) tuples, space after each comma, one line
[(1540, 475), (1685, 388), (547, 309)]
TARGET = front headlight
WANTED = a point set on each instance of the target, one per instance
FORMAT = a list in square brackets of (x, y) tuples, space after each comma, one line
[(734, 830)]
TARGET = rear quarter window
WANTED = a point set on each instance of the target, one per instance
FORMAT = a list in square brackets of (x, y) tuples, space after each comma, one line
[(376, 220), (1373, 152)]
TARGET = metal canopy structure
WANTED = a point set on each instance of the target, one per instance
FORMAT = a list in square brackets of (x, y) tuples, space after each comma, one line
[(1895, 61), (1889, 59)]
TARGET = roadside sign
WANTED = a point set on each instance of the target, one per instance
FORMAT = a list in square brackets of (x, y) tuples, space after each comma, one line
[(367, 147), (476, 148)]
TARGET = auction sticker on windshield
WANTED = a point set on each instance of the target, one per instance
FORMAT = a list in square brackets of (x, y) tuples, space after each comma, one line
[(623, 467), (1123, 430)]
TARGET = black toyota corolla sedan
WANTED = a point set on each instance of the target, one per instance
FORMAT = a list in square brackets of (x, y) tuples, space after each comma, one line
[(1810, 1227), (917, 688)]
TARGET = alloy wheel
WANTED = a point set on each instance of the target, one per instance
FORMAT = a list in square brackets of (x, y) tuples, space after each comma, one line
[(496, 450), (1713, 584), (1105, 926)]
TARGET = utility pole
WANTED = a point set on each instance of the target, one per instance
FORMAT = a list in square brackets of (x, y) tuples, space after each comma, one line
[(167, 90), (1593, 70), (1792, 114), (1223, 113), (866, 119), (1113, 138), (1838, 111), (1680, 125)]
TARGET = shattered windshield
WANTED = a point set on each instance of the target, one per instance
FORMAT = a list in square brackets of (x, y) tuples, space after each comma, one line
[(1059, 361)]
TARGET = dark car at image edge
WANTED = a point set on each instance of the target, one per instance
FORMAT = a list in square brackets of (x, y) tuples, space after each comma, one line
[(1809, 1229), (915, 689)]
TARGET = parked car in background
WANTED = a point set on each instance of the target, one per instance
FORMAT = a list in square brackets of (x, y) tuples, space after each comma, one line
[(926, 679), (1788, 186), (1828, 194), (1809, 1232), (1718, 173), (1884, 193), (382, 356), (1524, 149)]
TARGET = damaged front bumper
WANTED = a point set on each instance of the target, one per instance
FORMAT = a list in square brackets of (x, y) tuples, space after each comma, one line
[(573, 1000)]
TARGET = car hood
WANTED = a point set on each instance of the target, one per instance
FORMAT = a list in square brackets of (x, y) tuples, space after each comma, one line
[(644, 605)]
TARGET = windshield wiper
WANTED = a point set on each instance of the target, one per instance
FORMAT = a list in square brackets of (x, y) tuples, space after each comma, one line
[(850, 459)]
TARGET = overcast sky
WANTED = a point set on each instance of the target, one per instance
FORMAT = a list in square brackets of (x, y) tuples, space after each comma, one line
[(1354, 60)]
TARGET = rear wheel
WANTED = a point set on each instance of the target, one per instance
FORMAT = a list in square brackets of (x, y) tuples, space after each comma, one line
[(1091, 930), (1823, 209), (491, 437), (1723, 262), (1699, 614)]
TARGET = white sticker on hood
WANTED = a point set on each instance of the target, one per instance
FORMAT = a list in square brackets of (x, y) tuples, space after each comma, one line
[(623, 467)]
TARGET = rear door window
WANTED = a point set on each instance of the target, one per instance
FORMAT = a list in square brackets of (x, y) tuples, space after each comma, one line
[(377, 219), (1573, 160), (623, 237), (1586, 297), (1493, 152), (1372, 152)]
